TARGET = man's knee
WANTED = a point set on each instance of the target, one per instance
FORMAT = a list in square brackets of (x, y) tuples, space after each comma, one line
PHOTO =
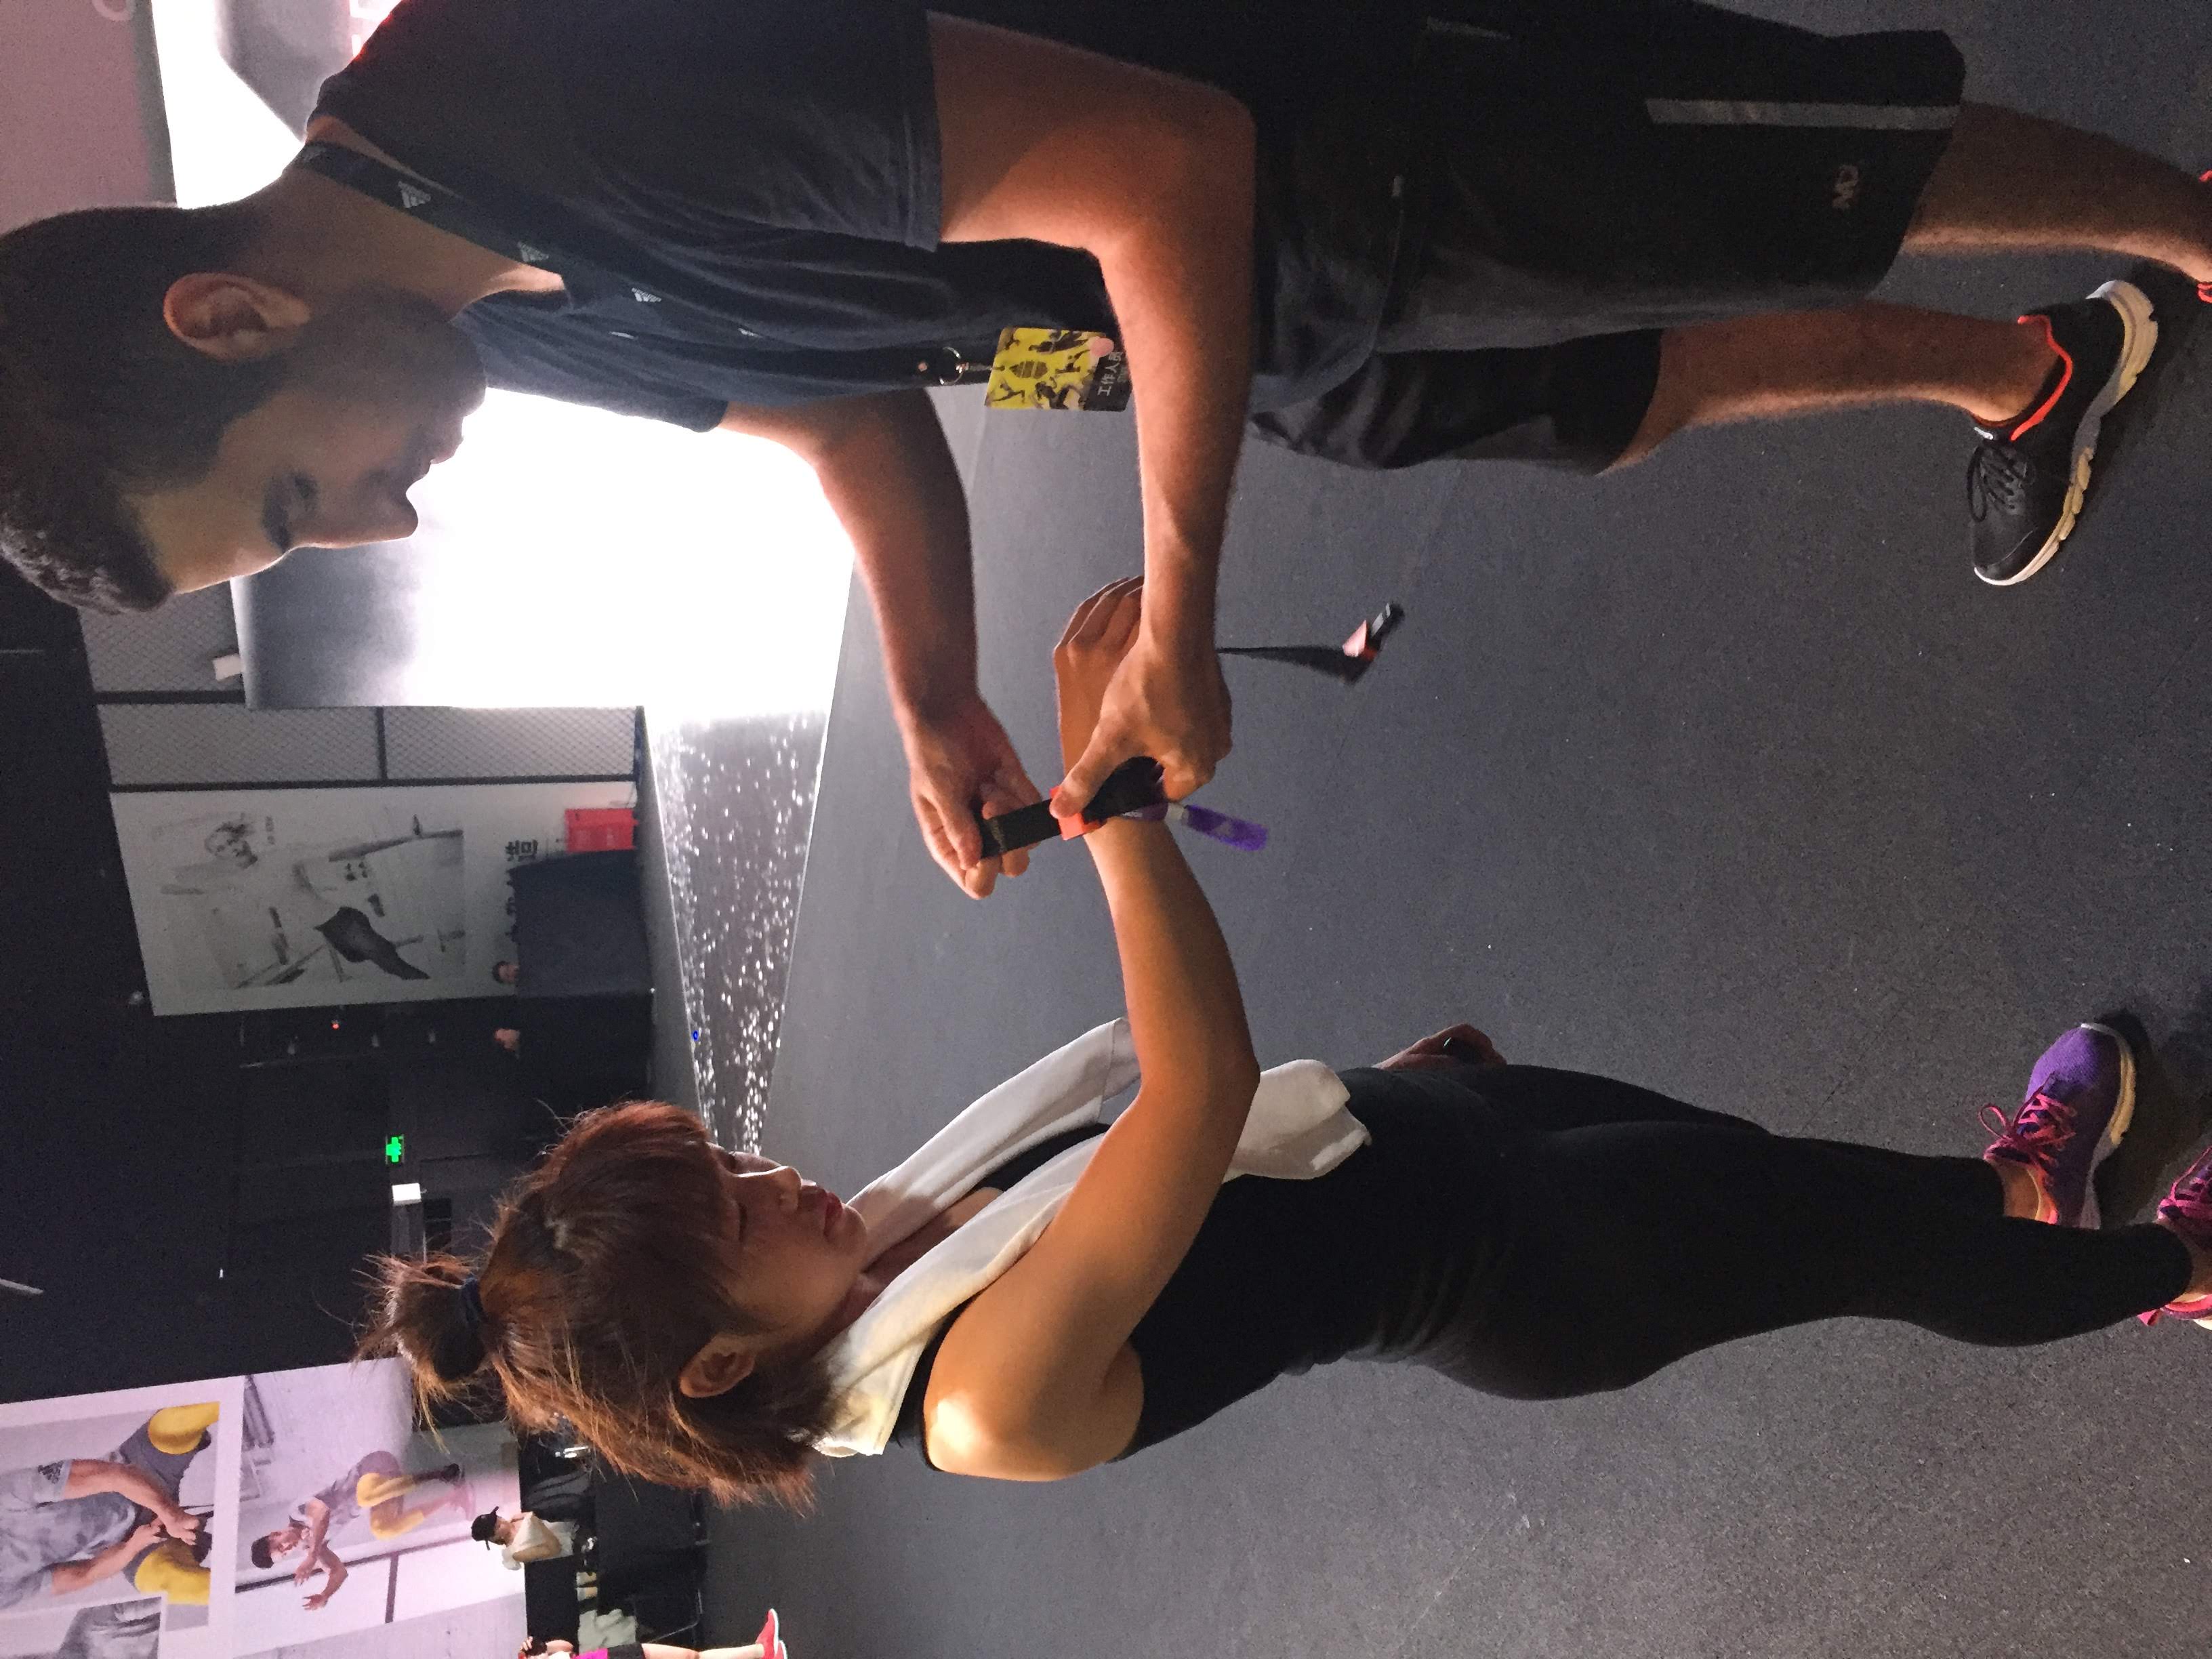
[(169, 1570), (178, 1430), (393, 1519)]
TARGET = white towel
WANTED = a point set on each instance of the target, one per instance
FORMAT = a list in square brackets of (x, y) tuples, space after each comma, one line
[(1299, 1128)]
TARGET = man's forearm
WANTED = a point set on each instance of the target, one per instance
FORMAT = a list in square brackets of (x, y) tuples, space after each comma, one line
[(1180, 282), (90, 1475), (882, 462), (891, 479), (74, 1576)]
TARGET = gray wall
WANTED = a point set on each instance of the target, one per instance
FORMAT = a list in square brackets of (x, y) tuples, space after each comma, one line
[(81, 118)]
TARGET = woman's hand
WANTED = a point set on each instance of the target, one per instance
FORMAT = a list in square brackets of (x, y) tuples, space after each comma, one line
[(1456, 1045), (1097, 638)]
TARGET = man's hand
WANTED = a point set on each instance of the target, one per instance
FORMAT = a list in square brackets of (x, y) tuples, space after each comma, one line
[(1155, 178), (142, 1537), (334, 1575), (1169, 703), (1091, 648), (1456, 1045), (180, 1524), (957, 762), (307, 1569)]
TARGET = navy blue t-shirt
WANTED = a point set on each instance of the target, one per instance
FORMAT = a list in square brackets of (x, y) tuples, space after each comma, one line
[(747, 191)]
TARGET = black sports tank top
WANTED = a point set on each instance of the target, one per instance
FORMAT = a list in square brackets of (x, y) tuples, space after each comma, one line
[(1374, 1259)]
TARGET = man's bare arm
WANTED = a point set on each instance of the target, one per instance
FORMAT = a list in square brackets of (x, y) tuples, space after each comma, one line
[(318, 1527), (1155, 178), (73, 1576), (887, 474), (88, 1475), (334, 1574), (883, 465)]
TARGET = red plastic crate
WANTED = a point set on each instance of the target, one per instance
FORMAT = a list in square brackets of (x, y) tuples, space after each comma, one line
[(600, 829)]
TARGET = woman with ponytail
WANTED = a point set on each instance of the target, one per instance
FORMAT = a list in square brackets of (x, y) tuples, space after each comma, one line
[(1034, 1292), (611, 1266)]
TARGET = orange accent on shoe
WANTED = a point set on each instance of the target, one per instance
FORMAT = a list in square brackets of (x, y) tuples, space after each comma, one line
[(2046, 1208), (2056, 391)]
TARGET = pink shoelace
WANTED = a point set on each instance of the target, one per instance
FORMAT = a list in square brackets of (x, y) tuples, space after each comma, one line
[(2039, 1128), (2194, 1190)]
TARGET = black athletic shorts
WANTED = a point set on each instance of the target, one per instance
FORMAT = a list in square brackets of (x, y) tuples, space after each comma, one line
[(1598, 170)]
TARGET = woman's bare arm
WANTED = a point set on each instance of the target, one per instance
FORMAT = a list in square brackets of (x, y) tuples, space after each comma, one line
[(1036, 1380)]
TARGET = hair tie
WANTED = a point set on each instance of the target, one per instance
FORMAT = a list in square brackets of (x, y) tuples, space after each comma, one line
[(472, 1307)]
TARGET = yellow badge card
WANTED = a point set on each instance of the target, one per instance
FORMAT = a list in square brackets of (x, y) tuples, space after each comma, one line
[(1057, 368)]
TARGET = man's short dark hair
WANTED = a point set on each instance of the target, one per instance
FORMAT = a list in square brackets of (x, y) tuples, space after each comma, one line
[(263, 1557), (98, 398)]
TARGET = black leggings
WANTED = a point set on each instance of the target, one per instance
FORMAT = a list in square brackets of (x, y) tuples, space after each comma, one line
[(1640, 1231)]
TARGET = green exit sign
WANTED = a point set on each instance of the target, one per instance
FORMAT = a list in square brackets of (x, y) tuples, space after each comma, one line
[(395, 1148)]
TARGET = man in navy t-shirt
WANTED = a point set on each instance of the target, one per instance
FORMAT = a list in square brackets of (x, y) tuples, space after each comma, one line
[(1369, 230)]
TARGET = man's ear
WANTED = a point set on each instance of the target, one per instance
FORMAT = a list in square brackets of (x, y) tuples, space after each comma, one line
[(720, 1364), (232, 319)]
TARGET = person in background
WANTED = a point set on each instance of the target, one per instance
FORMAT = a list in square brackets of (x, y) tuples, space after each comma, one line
[(507, 973), (523, 1538)]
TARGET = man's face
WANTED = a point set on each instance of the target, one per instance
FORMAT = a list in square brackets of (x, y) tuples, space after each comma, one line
[(375, 390)]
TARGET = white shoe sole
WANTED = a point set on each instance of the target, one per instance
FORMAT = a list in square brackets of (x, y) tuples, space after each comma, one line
[(2124, 1112), (2138, 340)]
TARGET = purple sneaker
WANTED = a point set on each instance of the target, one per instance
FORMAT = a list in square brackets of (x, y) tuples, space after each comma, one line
[(2080, 1097), (2188, 1210)]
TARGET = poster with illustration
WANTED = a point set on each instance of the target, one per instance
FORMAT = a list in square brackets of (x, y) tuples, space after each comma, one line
[(288, 898), (350, 1519), (116, 1512)]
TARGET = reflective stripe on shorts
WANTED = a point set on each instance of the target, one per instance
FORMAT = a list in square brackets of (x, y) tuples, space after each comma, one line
[(1741, 112)]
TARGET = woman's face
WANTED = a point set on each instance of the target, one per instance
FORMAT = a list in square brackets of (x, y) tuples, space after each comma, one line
[(798, 1249)]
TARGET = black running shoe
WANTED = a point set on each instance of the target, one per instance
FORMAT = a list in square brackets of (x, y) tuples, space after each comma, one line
[(2025, 486)]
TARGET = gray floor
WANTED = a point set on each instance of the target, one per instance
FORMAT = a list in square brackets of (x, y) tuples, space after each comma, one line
[(1724, 776)]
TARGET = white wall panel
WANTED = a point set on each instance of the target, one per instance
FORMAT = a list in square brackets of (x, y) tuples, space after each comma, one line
[(165, 650), (201, 742), (510, 743)]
